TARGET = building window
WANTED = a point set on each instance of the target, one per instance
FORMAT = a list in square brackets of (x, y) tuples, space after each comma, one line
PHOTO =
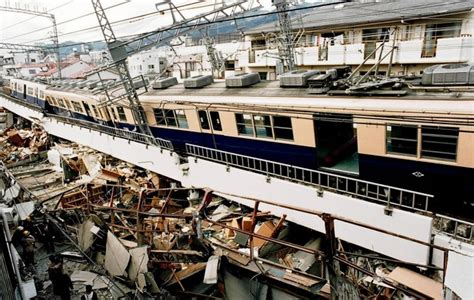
[(203, 119), (151, 67), (244, 124), (264, 126), (370, 38), (216, 120), (282, 128), (171, 118), (121, 114), (402, 139), (229, 65), (263, 75), (439, 142), (32, 71), (437, 31)]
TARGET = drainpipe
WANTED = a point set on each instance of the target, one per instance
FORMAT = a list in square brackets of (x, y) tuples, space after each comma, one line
[(12, 253)]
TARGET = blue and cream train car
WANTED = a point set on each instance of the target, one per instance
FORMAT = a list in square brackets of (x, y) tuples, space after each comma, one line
[(413, 142), (28, 91), (422, 142)]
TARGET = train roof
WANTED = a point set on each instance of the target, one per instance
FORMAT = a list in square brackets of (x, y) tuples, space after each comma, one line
[(270, 94)]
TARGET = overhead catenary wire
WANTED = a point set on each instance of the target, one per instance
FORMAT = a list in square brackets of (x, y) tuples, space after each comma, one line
[(31, 18), (216, 21), (96, 27), (64, 22)]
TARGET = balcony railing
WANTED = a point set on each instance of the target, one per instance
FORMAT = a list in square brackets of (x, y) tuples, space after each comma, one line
[(391, 196), (455, 228), (121, 133)]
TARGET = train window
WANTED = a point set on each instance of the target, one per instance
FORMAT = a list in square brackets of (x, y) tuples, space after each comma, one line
[(49, 100), (94, 109), (68, 104), (121, 114), (244, 124), (282, 128), (216, 120), (112, 111), (181, 117), (402, 139), (30, 91), (263, 126), (159, 117), (439, 142), (170, 117), (41, 94), (203, 119), (61, 103), (77, 107)]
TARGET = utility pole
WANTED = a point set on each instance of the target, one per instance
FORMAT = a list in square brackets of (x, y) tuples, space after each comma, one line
[(121, 49), (286, 50)]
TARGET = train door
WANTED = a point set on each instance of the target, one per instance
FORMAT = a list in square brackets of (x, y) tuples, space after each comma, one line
[(24, 91), (336, 143)]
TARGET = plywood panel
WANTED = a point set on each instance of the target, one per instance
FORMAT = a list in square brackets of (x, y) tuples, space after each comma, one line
[(371, 139), (303, 132), (465, 149), (229, 126)]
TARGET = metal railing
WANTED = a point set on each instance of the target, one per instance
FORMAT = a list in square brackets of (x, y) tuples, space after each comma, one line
[(120, 133), (455, 228), (366, 190)]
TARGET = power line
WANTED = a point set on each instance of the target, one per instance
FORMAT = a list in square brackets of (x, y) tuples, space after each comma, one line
[(187, 26), (66, 21), (95, 27), (29, 19)]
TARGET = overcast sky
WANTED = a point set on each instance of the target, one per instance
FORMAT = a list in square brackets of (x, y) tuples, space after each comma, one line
[(16, 27)]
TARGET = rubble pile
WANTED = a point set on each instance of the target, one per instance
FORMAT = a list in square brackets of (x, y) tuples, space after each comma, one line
[(19, 144), (125, 231)]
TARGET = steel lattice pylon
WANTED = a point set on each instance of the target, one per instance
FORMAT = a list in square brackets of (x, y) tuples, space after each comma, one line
[(120, 50), (285, 45), (26, 47), (119, 56)]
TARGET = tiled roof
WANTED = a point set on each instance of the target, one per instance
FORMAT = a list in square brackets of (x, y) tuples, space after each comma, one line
[(354, 13)]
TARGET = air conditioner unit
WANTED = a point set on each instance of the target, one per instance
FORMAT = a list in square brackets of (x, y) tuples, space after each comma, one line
[(163, 83), (297, 78), (198, 81), (242, 80)]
